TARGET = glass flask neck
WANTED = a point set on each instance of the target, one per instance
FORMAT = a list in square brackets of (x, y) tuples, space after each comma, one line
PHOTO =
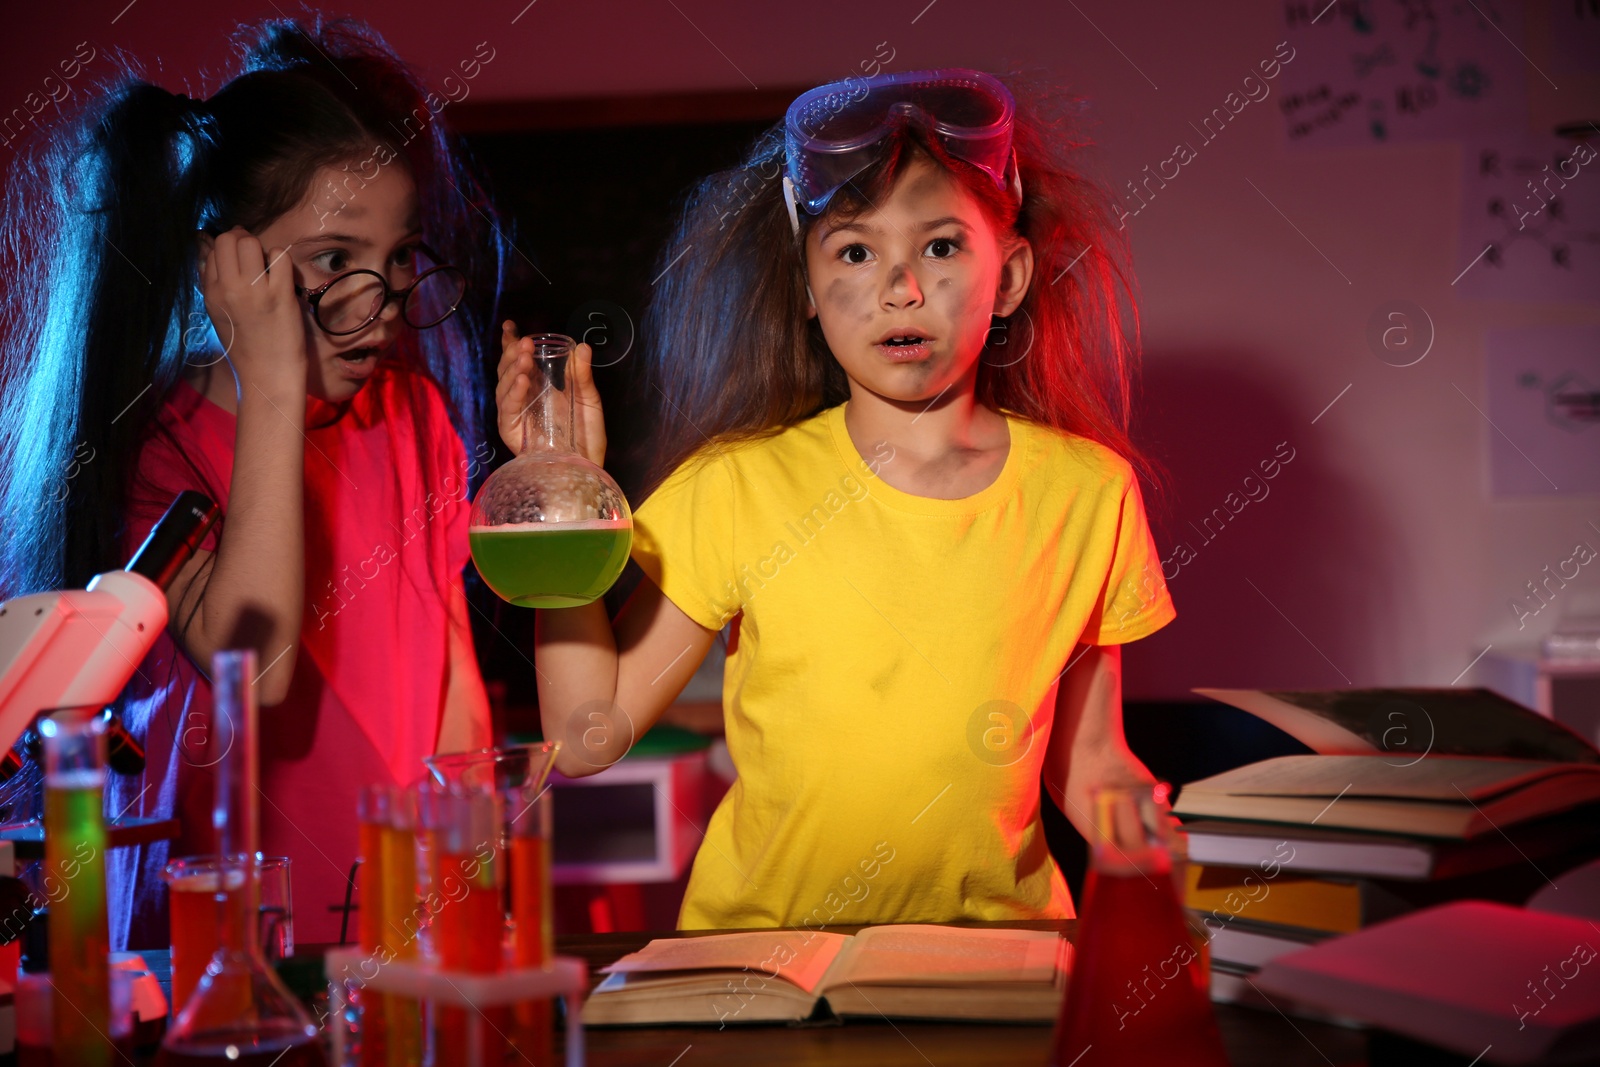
[(231, 747), (235, 812), (547, 421), (1133, 831)]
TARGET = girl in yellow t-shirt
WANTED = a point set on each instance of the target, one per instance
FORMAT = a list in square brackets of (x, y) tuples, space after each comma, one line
[(894, 393)]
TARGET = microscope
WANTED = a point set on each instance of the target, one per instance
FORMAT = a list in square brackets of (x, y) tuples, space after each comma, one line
[(76, 649)]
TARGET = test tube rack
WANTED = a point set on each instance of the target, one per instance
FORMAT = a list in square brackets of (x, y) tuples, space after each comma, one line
[(566, 976)]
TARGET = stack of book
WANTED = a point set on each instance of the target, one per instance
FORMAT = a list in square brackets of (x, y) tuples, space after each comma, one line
[(1489, 982), (1484, 800)]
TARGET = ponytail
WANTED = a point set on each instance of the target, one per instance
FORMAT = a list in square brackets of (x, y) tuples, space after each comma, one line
[(101, 225)]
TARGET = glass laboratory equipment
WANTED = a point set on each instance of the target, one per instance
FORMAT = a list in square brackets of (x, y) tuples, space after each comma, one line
[(465, 827), (550, 529), (514, 769), (74, 856), (495, 769), (1138, 992), (397, 900), (529, 813), (240, 1013), (193, 885), (507, 774)]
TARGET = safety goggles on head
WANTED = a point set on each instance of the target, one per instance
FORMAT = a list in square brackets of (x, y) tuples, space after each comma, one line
[(835, 132)]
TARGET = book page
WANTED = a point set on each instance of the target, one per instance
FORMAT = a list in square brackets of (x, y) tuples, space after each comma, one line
[(1435, 778), (945, 955), (1408, 723), (797, 956)]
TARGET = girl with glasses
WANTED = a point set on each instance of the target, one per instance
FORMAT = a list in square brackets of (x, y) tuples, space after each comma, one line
[(263, 295), (893, 353)]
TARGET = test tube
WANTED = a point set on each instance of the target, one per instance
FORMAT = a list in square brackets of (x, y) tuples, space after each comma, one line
[(529, 810), (372, 813), (466, 826), (399, 910), (75, 859)]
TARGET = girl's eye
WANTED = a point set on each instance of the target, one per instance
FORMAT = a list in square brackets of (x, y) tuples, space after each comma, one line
[(854, 254), (943, 247), (332, 261), (405, 257)]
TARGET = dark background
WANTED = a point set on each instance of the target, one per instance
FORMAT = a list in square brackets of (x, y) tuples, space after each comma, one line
[(590, 210)]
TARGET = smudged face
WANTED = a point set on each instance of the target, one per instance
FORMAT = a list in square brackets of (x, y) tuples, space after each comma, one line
[(905, 292), (373, 225)]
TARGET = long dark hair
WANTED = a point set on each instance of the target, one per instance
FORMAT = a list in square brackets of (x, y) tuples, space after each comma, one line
[(731, 355), (102, 222)]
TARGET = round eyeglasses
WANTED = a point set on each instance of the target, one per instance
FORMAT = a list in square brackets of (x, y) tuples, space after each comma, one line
[(354, 300)]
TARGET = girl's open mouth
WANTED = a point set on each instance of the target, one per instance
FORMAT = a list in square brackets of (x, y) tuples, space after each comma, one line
[(357, 364), (903, 348)]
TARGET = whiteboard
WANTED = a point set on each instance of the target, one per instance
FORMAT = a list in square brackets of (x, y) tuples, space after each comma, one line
[(1530, 225), (1377, 71), (1543, 421)]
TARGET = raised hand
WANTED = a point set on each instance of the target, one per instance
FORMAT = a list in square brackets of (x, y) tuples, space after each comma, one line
[(514, 390), (249, 295)]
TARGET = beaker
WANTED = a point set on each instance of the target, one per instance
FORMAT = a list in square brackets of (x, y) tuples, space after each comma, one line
[(520, 769), (495, 769), (1138, 991), (240, 1013), (550, 529), (193, 884)]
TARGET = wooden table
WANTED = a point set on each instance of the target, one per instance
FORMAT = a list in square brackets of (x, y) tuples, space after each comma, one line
[(1253, 1038)]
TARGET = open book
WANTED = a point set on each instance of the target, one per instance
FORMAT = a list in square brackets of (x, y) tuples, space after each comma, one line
[(903, 971), (1440, 796), (1410, 723)]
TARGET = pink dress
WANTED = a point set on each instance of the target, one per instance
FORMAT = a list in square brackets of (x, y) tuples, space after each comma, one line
[(386, 516)]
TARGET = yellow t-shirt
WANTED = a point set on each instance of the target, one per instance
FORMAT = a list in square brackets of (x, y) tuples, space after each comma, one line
[(892, 687)]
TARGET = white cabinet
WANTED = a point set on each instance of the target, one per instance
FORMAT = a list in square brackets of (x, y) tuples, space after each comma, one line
[(640, 820)]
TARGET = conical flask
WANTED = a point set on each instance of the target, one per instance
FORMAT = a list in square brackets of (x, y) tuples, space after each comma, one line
[(550, 529), (1138, 991), (240, 1013)]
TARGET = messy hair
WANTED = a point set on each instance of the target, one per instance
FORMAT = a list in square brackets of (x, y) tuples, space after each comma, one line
[(731, 354)]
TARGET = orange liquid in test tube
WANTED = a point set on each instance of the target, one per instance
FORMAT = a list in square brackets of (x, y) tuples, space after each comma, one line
[(374, 1018), (399, 907), (370, 886), (535, 941), (467, 934), (470, 920), (399, 891), (530, 900)]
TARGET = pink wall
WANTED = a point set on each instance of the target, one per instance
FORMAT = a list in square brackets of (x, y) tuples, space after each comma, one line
[(1378, 557)]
